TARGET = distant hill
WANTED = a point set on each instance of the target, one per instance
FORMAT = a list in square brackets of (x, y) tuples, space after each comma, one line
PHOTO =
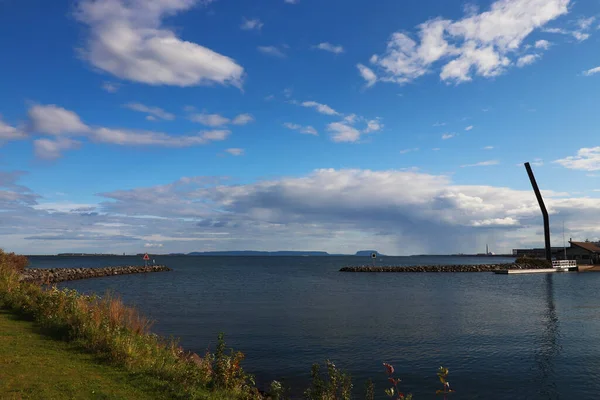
[(367, 253), (258, 253)]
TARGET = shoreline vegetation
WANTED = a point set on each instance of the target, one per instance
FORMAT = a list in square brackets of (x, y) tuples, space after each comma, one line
[(118, 335)]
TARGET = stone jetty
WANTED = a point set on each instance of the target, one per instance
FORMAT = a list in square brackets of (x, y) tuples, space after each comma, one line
[(54, 275), (440, 268)]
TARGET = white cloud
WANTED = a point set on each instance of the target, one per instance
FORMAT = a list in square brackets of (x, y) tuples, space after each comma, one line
[(272, 51), (330, 48), (367, 74), (343, 133), (396, 211), (126, 137), (291, 1), (488, 147), (322, 108), (127, 39), (52, 149), (537, 162), (468, 128), (542, 44), (215, 120), (210, 119), (580, 32), (439, 124), (587, 159), (55, 120), (481, 164), (436, 149), (153, 245), (242, 119), (251, 24), (309, 130), (373, 125), (447, 136), (235, 151), (111, 87), (153, 111), (592, 71), (479, 44), (405, 151), (527, 60), (8, 132)]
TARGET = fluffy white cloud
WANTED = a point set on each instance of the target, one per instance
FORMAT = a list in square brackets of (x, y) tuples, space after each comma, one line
[(542, 44), (59, 121), (271, 51), (342, 132), (215, 120), (397, 212), (52, 149), (468, 128), (291, 1), (322, 108), (481, 164), (527, 60), (251, 24), (447, 136), (209, 119), (309, 130), (235, 151), (242, 119), (479, 44), (127, 39), (111, 87), (55, 120), (587, 159), (367, 74), (330, 48), (488, 147), (153, 111), (580, 32), (126, 137), (8, 132), (373, 125), (592, 71)]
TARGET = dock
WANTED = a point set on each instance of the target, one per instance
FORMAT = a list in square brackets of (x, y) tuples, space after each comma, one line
[(533, 271), (557, 266)]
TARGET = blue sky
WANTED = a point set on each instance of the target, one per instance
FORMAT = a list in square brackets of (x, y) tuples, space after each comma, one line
[(186, 125)]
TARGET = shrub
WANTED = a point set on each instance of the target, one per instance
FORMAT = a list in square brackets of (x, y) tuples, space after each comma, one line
[(533, 262), (13, 261), (337, 387)]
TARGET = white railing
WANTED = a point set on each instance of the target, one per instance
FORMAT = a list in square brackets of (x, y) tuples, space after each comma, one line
[(564, 263)]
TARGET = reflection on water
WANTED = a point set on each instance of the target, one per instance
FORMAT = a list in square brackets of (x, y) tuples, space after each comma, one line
[(549, 345)]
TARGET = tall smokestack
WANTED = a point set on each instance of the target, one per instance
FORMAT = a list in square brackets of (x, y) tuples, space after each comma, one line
[(540, 200)]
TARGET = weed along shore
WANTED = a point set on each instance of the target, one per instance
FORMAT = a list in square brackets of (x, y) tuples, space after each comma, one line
[(55, 275)]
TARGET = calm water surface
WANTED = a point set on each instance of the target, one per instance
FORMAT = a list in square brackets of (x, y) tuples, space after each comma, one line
[(502, 336)]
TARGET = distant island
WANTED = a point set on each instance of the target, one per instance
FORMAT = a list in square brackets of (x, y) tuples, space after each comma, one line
[(361, 253)]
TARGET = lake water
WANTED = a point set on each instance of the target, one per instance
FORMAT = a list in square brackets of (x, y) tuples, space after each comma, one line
[(502, 336)]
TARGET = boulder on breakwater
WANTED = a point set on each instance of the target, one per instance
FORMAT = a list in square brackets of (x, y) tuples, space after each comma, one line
[(439, 268), (54, 275)]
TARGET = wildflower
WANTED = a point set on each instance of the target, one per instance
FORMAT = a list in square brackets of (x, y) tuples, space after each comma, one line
[(389, 368)]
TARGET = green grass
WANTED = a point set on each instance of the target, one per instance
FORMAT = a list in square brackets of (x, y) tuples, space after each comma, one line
[(35, 366)]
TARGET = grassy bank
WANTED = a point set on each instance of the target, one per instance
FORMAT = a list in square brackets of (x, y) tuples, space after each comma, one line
[(36, 366)]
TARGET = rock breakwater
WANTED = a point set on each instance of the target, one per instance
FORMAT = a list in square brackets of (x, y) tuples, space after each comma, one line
[(54, 275), (439, 268)]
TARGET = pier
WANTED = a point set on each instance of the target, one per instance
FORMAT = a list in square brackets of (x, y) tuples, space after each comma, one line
[(55, 275)]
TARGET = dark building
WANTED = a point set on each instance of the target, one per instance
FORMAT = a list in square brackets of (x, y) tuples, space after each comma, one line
[(583, 252)]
